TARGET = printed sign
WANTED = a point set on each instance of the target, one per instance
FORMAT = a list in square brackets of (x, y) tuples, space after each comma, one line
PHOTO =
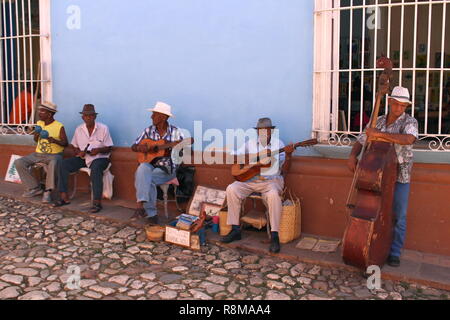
[(11, 174), (207, 195), (178, 237)]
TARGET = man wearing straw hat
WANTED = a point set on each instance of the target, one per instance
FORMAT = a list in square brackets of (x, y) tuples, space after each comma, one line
[(401, 129), (93, 144), (269, 183), (161, 170), (51, 139)]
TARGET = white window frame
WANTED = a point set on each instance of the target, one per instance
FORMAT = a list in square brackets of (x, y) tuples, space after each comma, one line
[(45, 65), (327, 69)]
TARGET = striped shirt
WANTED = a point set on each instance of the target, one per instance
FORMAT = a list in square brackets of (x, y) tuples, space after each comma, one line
[(405, 124), (173, 134)]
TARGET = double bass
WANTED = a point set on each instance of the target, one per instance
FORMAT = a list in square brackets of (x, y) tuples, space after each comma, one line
[(369, 233)]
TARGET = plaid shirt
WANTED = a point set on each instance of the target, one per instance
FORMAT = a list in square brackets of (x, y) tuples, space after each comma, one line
[(405, 124), (173, 134)]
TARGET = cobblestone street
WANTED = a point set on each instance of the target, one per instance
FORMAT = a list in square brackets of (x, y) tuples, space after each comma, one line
[(39, 247)]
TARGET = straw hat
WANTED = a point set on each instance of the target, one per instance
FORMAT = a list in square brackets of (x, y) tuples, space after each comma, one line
[(49, 106), (401, 94), (163, 108)]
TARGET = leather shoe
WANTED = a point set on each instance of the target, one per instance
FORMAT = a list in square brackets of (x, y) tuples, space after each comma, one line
[(234, 235), (274, 245), (393, 261), (152, 220)]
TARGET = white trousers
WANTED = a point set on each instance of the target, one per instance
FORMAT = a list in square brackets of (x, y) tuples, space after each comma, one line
[(271, 191)]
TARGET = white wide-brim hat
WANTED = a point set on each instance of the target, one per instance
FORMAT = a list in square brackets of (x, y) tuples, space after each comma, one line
[(163, 108), (401, 94)]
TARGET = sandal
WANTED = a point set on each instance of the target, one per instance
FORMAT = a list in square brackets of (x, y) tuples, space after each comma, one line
[(96, 208), (60, 203)]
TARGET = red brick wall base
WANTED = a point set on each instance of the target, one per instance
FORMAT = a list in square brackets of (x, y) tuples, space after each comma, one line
[(322, 186)]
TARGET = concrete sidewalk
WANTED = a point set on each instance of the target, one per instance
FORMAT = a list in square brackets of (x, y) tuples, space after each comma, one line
[(427, 269)]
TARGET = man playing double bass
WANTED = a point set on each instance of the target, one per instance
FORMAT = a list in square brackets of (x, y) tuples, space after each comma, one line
[(402, 130)]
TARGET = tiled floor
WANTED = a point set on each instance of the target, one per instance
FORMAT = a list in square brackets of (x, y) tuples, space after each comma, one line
[(427, 269)]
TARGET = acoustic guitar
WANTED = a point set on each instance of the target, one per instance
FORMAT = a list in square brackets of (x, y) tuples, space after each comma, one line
[(245, 172), (159, 148)]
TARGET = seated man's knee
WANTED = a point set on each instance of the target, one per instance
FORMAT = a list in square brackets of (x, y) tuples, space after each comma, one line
[(231, 189), (272, 195), (97, 167), (144, 170)]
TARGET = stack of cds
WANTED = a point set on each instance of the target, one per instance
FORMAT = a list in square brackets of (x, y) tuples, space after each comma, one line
[(185, 221)]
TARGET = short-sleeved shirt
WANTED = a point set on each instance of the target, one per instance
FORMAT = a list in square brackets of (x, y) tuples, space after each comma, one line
[(54, 131), (405, 124), (100, 138), (173, 134), (255, 147)]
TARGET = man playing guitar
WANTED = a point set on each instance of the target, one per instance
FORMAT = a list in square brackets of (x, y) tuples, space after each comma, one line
[(269, 182), (161, 169)]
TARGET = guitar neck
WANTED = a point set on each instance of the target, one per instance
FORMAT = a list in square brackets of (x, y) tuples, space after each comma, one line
[(297, 145)]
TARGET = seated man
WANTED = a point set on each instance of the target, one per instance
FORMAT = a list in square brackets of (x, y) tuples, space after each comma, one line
[(270, 184), (93, 145), (51, 139), (161, 170)]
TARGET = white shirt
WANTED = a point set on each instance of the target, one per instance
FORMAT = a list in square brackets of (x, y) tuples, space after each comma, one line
[(100, 138), (255, 147)]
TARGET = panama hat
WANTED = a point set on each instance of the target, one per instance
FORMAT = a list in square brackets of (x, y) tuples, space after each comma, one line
[(163, 108), (49, 106), (401, 94)]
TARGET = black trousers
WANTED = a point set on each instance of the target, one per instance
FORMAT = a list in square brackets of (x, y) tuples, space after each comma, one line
[(72, 165)]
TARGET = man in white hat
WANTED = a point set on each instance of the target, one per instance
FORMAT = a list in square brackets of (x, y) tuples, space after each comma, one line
[(400, 128), (51, 139), (269, 183), (161, 170)]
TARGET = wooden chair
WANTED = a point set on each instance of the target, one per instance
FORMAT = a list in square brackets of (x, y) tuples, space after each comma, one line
[(165, 189), (255, 197)]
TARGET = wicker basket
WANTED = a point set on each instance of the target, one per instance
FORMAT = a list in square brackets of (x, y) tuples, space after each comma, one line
[(225, 229), (155, 233), (290, 224)]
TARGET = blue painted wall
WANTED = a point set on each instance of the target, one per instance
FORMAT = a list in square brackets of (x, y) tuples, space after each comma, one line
[(225, 62)]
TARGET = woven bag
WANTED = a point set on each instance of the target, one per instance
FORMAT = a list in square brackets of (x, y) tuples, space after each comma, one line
[(290, 223), (225, 229)]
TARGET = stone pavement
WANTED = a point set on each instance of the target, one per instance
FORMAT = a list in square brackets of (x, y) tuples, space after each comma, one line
[(41, 249)]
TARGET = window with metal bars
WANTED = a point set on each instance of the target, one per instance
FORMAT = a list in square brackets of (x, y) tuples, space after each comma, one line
[(25, 62), (350, 35)]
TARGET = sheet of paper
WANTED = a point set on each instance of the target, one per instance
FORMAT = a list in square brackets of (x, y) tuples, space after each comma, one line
[(306, 243), (326, 246)]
